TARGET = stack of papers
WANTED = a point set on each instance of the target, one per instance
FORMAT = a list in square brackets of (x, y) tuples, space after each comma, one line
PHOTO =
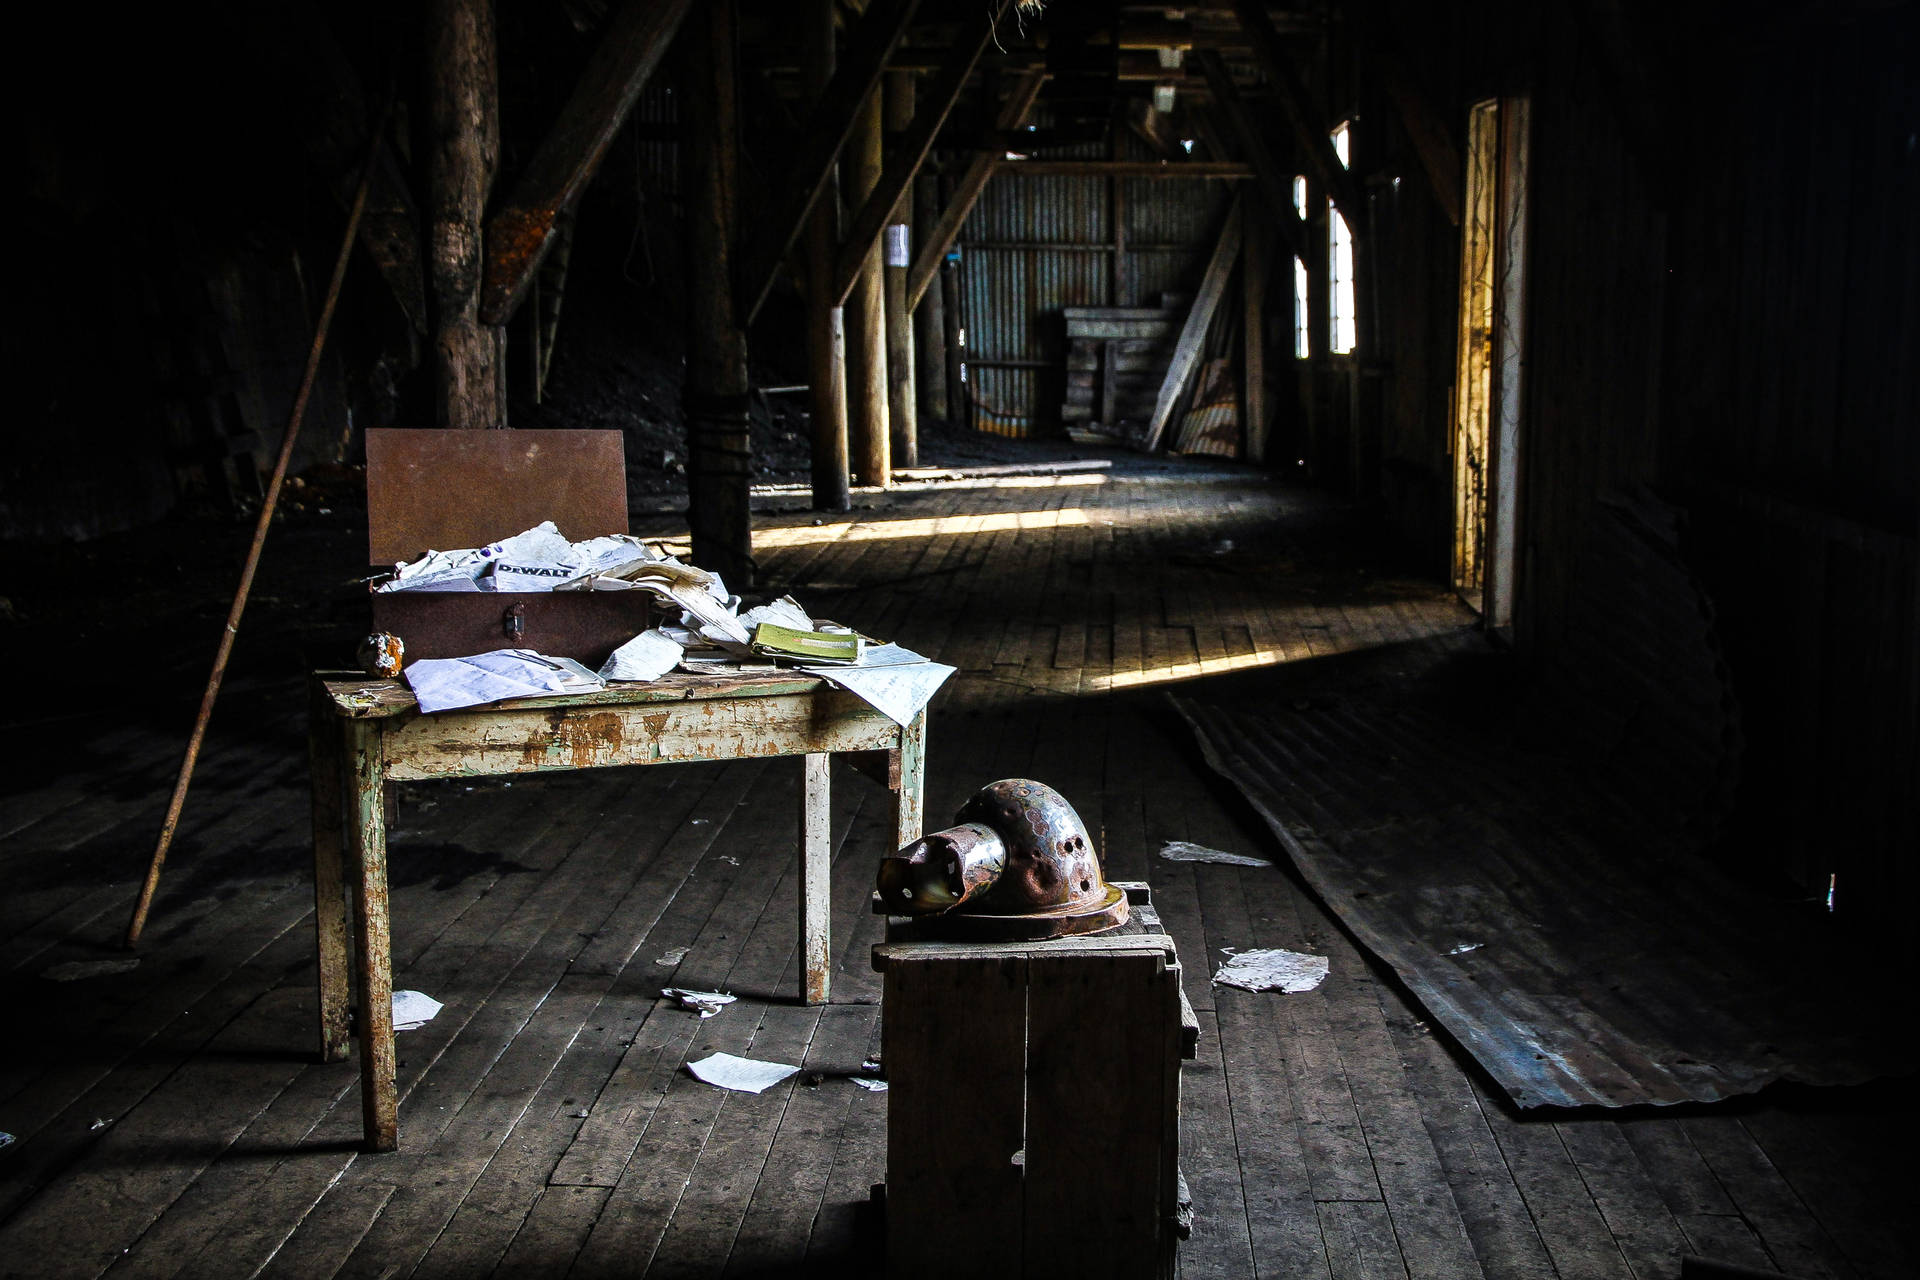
[(539, 559), (712, 635)]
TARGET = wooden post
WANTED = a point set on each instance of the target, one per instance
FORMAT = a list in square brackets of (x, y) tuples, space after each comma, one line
[(826, 325), (930, 319), (896, 257), (1255, 263), (720, 455), (869, 435), (463, 123), (959, 401)]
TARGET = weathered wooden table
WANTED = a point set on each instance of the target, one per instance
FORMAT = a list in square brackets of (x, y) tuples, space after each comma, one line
[(364, 733)]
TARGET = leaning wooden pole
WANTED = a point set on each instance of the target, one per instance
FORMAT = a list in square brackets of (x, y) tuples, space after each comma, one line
[(719, 476), (318, 346)]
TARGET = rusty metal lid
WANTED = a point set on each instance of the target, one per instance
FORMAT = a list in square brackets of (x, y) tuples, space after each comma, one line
[(430, 489)]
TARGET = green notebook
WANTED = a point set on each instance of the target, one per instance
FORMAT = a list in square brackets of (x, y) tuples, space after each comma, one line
[(775, 641)]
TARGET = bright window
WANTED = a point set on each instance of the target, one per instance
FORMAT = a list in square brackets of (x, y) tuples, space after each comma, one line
[(1340, 301), (1302, 347)]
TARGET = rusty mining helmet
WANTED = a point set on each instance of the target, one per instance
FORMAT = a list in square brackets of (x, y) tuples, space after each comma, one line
[(1018, 849)]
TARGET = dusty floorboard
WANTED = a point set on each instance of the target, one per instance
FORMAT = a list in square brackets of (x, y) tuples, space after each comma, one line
[(169, 1120)]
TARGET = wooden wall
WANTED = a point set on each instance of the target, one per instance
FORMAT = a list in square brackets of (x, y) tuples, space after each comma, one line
[(1722, 312)]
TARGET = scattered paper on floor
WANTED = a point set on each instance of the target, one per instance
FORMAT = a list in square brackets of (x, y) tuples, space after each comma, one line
[(870, 1084), (413, 1010), (1275, 970), (1187, 851), (743, 1075), (74, 970), (704, 1003)]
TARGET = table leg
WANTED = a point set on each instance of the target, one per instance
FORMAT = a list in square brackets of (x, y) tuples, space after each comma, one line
[(816, 862), (379, 1098), (324, 746), (909, 803)]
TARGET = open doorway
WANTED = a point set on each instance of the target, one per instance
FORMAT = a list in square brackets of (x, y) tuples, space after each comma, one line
[(1487, 377)]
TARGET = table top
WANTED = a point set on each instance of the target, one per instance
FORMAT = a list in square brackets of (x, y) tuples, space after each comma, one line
[(360, 697)]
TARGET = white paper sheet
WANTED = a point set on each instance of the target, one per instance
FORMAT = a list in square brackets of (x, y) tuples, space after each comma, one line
[(445, 684), (704, 1003), (438, 571), (413, 1010), (647, 656), (894, 681), (784, 612), (870, 1085), (1187, 851), (1290, 971), (744, 1075)]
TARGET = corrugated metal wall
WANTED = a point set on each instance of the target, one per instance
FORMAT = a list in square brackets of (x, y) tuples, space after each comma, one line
[(1034, 245)]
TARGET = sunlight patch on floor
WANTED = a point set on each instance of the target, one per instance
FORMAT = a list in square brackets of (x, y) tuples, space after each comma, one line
[(1173, 672), (926, 527)]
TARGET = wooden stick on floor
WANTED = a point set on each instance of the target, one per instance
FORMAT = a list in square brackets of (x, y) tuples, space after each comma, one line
[(267, 505)]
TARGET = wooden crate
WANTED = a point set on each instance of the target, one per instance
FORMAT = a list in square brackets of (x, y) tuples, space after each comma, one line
[(1033, 1115)]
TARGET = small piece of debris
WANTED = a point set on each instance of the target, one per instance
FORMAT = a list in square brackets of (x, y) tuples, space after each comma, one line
[(1465, 947), (704, 1003), (673, 956), (1289, 971), (99, 1124), (743, 1075), (871, 1065), (6, 1140), (74, 970), (870, 1085), (1187, 851), (413, 1010)]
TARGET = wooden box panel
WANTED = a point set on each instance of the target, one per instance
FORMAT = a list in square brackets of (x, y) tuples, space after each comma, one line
[(437, 490)]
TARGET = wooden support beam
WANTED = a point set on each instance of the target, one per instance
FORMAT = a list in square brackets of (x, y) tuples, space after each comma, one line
[(1256, 261), (719, 470), (1186, 170), (938, 238), (1276, 184), (869, 436), (827, 130), (463, 127), (905, 162), (896, 251), (826, 322), (1309, 131), (930, 317), (521, 229), (1193, 333)]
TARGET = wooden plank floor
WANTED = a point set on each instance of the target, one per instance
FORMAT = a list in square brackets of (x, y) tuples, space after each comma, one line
[(168, 1119)]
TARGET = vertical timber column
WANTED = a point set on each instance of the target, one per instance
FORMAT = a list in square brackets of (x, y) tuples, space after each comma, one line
[(716, 388), (896, 248), (930, 320), (959, 402), (869, 435), (463, 116), (826, 323), (1256, 260)]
